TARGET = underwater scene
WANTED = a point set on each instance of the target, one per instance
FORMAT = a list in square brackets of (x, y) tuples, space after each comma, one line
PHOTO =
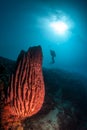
[(43, 64)]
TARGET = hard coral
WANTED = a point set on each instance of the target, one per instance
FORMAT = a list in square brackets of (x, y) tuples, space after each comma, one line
[(25, 94)]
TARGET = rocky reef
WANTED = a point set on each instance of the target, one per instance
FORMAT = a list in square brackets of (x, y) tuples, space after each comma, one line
[(33, 98)]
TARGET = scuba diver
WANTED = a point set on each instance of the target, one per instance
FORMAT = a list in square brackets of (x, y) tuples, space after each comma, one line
[(53, 55)]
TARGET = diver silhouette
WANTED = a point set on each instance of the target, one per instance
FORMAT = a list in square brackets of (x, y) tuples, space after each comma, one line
[(53, 55)]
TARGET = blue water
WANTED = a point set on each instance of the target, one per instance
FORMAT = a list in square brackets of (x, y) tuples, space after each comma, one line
[(22, 26)]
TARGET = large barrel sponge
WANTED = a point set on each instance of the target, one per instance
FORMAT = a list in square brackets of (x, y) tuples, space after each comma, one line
[(25, 94)]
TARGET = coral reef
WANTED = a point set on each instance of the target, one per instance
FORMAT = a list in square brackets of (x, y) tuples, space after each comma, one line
[(65, 103), (25, 94)]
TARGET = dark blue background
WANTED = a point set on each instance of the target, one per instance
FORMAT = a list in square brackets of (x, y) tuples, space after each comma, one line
[(20, 29)]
